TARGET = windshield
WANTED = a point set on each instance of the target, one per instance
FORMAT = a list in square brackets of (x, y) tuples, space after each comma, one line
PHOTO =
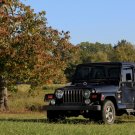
[(97, 73)]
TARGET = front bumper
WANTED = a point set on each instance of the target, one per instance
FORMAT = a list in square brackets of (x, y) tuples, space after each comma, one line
[(72, 108)]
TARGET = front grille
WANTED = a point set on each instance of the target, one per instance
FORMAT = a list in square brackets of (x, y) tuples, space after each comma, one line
[(73, 96)]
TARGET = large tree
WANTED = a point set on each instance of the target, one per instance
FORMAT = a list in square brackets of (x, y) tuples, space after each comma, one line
[(29, 50)]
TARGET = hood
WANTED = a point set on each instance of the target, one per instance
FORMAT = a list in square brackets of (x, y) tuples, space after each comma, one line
[(98, 87)]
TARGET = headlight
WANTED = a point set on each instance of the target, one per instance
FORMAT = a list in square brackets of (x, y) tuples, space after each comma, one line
[(59, 94), (86, 94)]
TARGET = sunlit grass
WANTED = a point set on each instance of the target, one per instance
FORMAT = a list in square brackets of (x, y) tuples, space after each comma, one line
[(36, 124)]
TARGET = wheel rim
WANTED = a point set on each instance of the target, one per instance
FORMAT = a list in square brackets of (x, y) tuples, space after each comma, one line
[(109, 114)]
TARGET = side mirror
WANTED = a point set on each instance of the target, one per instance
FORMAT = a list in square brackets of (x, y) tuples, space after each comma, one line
[(128, 77)]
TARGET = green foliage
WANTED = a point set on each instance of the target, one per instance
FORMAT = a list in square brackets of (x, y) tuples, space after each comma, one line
[(123, 51), (97, 52)]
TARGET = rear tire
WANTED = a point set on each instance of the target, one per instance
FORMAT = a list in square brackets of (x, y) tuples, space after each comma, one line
[(108, 112)]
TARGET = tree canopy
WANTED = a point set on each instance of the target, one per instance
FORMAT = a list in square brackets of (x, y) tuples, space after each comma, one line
[(96, 52), (29, 50)]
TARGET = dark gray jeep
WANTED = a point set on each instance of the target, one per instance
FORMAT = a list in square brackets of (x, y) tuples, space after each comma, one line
[(98, 91)]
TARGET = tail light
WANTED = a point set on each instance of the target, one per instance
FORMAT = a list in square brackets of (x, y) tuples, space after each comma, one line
[(94, 96), (49, 97)]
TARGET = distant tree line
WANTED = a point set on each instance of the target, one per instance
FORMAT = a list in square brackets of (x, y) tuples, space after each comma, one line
[(95, 52), (30, 51)]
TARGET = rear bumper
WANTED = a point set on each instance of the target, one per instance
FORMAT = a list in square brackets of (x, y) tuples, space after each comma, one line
[(73, 108)]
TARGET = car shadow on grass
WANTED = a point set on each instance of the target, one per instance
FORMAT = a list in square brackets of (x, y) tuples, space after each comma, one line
[(23, 120), (124, 121), (67, 121)]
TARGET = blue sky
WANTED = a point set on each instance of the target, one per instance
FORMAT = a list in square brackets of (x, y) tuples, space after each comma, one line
[(105, 21)]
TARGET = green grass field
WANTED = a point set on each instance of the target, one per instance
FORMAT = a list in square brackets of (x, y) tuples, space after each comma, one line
[(21, 120), (36, 124)]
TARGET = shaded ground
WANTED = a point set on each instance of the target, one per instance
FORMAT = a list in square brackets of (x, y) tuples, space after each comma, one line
[(38, 117)]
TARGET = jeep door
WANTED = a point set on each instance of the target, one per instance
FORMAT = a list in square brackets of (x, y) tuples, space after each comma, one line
[(127, 87)]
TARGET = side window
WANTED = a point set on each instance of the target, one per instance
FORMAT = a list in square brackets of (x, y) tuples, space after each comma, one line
[(127, 75)]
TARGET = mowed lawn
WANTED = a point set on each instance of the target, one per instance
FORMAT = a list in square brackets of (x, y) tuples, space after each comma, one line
[(36, 124)]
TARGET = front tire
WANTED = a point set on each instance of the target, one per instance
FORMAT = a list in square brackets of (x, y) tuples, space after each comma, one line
[(108, 112)]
